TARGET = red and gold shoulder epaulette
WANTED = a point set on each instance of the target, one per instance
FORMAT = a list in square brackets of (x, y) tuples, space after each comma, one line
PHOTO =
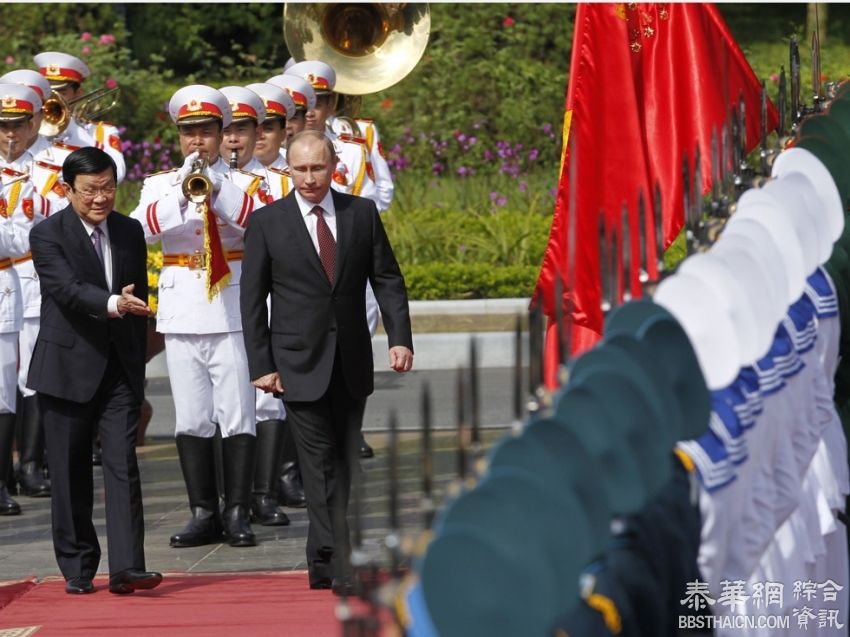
[(68, 147), (280, 171), (11, 172), (352, 139), (51, 167), (161, 172)]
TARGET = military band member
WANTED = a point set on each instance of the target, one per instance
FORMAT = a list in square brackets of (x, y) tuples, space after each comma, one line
[(199, 315), (16, 203), (21, 106), (66, 75), (304, 98), (271, 136)]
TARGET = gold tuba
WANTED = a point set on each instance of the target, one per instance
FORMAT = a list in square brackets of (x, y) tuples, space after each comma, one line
[(197, 186), (55, 115), (370, 46)]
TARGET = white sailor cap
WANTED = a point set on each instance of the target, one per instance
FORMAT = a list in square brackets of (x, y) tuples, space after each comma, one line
[(277, 101), (245, 104), (289, 64), (320, 75), (18, 102), (61, 68), (198, 103), (35, 80), (298, 88)]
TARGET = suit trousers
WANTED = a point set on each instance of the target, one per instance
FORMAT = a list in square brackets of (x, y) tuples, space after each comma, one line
[(322, 430), (69, 426)]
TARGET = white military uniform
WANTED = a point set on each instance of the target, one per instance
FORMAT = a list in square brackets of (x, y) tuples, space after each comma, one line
[(20, 207), (367, 134), (205, 353)]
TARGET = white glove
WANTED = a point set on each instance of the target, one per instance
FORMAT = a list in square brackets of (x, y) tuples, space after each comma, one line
[(216, 178), (186, 168)]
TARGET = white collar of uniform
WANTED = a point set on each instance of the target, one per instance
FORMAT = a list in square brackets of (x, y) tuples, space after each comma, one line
[(90, 227), (39, 146), (280, 162), (254, 166), (306, 207)]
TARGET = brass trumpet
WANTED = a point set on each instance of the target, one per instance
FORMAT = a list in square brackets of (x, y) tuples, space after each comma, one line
[(197, 186), (55, 115)]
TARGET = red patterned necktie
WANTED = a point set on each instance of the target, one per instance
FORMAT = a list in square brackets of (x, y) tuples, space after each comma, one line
[(327, 243)]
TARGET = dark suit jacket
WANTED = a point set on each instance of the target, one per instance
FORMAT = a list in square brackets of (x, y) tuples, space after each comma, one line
[(310, 317), (75, 334)]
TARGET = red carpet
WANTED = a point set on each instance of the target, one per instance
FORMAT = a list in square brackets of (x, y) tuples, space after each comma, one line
[(240, 604)]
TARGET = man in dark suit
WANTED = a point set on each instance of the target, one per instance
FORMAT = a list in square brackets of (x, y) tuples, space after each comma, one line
[(313, 251), (88, 370)]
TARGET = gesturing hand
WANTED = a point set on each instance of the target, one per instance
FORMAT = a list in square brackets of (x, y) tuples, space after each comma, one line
[(270, 383), (129, 304)]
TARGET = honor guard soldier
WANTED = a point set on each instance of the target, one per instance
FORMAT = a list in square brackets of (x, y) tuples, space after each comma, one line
[(13, 243), (199, 213), (366, 131), (66, 75), (20, 106), (240, 138), (353, 174), (271, 136), (304, 98)]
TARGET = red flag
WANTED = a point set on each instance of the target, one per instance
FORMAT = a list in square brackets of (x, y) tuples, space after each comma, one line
[(648, 82), (218, 272)]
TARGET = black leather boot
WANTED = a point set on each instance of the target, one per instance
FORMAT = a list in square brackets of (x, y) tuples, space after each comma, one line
[(7, 434), (264, 509), (31, 480), (290, 491), (238, 459), (196, 461)]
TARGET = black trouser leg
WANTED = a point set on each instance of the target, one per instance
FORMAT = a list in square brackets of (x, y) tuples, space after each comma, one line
[(198, 466), (321, 431), (264, 509), (238, 457), (7, 434)]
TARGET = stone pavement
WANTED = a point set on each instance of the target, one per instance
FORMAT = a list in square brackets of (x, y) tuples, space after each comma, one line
[(26, 548)]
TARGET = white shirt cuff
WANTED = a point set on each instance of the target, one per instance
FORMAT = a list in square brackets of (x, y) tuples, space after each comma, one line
[(112, 307)]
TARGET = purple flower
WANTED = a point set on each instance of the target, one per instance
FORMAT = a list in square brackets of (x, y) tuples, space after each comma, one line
[(501, 201), (547, 128), (533, 154), (553, 192), (523, 186), (437, 168), (493, 196), (488, 155)]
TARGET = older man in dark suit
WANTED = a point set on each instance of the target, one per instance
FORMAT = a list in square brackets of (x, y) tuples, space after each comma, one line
[(88, 370), (313, 251)]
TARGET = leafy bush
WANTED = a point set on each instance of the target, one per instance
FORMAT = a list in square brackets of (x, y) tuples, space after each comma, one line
[(430, 281)]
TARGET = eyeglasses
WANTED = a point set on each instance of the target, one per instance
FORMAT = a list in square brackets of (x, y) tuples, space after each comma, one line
[(90, 195)]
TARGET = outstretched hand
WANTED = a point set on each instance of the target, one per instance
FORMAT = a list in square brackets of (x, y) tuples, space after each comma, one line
[(129, 304)]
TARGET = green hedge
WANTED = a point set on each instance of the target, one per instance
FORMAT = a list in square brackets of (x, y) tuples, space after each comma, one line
[(430, 281)]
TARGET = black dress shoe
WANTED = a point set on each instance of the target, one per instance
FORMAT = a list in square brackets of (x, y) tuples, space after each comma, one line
[(321, 583), (342, 586), (203, 528), (31, 481), (132, 579), (79, 586), (365, 450)]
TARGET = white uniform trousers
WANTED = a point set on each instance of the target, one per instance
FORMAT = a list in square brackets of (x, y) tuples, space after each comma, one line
[(373, 312), (210, 384), (8, 368), (26, 341)]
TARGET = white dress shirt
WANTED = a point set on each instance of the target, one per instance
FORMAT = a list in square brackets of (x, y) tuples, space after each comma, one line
[(310, 220), (106, 248)]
